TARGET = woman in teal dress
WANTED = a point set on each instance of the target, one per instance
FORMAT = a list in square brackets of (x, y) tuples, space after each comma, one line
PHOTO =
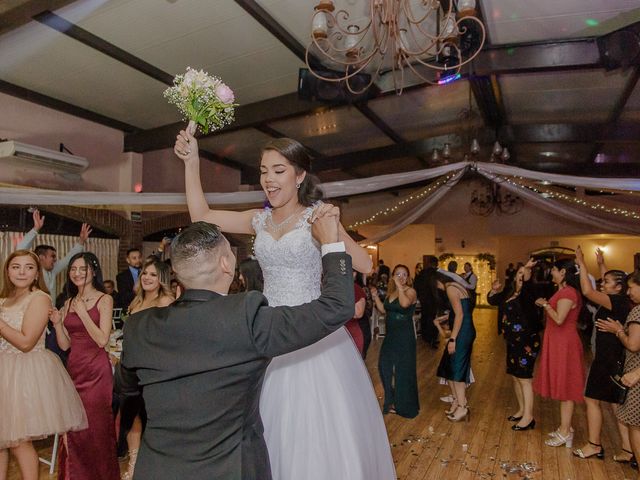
[(397, 361), (455, 364)]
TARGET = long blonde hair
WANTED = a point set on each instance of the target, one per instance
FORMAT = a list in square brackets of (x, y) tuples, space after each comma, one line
[(164, 277), (9, 288), (391, 286)]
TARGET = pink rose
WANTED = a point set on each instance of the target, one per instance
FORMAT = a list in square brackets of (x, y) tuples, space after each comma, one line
[(224, 93)]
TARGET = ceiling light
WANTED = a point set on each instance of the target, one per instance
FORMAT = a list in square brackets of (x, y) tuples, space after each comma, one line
[(392, 36)]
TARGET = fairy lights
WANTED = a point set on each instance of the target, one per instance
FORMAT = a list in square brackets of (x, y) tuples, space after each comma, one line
[(414, 196), (548, 193)]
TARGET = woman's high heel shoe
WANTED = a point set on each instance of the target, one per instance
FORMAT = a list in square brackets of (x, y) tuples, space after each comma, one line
[(530, 426), (513, 418), (599, 454), (451, 411), (558, 440), (461, 413), (133, 456)]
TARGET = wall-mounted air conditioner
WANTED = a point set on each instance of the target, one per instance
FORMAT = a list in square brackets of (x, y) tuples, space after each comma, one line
[(20, 154)]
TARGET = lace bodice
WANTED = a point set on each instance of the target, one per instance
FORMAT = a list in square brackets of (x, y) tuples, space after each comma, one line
[(13, 316), (292, 265)]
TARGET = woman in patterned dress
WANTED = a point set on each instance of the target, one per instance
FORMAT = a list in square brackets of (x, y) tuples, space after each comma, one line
[(629, 334), (520, 327)]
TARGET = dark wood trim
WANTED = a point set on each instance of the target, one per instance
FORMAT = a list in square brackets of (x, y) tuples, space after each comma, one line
[(486, 91), (59, 105), (87, 38), (15, 13), (265, 19), (246, 116), (508, 134), (612, 122), (272, 132), (538, 57)]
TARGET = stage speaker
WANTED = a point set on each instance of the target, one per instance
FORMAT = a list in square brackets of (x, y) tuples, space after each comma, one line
[(313, 88), (620, 49)]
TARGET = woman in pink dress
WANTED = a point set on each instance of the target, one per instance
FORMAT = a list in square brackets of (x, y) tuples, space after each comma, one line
[(560, 373), (37, 397), (84, 327)]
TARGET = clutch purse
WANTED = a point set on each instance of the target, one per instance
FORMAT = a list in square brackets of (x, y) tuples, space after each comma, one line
[(621, 389)]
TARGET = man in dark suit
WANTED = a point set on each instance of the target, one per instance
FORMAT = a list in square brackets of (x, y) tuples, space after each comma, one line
[(201, 361), (428, 300), (128, 278)]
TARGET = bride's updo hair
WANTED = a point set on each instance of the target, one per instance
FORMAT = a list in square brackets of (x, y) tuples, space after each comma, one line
[(309, 191)]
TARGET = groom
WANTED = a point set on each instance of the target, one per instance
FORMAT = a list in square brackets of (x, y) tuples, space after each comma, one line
[(202, 360)]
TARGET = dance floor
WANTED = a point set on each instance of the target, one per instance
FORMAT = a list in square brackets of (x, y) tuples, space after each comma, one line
[(431, 447)]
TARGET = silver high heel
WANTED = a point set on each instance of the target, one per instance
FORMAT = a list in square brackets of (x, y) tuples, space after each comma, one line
[(558, 440)]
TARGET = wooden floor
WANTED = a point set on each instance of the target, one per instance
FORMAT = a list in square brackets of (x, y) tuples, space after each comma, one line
[(430, 447)]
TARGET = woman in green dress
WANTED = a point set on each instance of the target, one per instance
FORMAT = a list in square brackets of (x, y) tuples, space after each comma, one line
[(397, 362)]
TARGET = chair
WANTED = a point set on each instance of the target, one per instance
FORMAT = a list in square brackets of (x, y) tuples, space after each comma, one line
[(54, 455), (116, 316)]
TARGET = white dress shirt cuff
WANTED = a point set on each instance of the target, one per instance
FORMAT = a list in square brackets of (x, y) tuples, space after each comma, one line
[(332, 248)]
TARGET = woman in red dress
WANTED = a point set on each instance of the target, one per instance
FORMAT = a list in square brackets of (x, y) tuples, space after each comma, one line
[(84, 326), (353, 325), (560, 373)]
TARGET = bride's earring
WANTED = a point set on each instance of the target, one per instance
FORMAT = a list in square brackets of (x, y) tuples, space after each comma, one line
[(298, 186)]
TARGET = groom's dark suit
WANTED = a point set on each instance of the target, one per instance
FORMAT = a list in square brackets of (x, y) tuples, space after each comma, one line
[(201, 362)]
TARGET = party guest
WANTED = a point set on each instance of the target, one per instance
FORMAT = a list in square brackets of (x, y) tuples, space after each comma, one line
[(560, 374), (397, 362), (83, 327), (38, 397)]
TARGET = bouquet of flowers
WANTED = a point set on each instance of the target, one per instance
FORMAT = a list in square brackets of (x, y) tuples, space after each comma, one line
[(202, 99)]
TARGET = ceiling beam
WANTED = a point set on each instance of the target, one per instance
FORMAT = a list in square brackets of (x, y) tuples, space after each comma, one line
[(538, 57), (59, 105), (504, 59), (246, 116), (488, 96), (508, 134), (614, 117), (265, 19), (87, 38), (15, 13)]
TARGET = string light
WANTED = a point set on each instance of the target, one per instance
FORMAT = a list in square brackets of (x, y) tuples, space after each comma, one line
[(414, 196), (547, 193)]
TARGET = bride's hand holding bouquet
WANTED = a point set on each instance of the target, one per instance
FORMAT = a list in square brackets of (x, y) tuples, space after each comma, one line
[(205, 101)]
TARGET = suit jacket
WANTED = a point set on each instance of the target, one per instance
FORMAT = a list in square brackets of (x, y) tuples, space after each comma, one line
[(201, 363), (125, 284)]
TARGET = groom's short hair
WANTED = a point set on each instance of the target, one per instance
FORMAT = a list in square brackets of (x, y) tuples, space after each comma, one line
[(197, 239)]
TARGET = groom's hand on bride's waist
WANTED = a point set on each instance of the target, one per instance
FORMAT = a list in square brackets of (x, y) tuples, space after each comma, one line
[(325, 223)]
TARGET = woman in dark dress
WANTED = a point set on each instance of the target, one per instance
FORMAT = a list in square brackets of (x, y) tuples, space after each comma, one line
[(84, 327), (397, 362), (455, 365), (520, 327), (609, 355)]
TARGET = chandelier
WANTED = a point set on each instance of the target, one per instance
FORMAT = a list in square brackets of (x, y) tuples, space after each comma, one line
[(423, 36), (489, 198)]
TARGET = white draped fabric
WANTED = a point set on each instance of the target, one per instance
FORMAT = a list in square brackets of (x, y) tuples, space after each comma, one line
[(563, 209), (412, 215), (106, 250), (35, 196)]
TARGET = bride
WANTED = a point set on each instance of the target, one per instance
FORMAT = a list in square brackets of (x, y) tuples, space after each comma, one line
[(320, 413)]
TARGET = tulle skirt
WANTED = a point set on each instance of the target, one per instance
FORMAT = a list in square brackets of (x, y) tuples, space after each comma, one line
[(37, 398), (321, 416)]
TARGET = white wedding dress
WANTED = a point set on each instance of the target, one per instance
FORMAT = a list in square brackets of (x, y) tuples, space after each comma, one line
[(321, 417)]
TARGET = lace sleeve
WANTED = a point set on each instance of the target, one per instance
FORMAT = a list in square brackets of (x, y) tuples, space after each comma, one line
[(258, 222)]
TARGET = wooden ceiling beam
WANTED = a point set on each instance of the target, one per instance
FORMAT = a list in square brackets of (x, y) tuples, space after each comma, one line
[(15, 13), (508, 134)]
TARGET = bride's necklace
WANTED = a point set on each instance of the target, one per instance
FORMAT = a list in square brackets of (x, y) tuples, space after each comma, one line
[(277, 227)]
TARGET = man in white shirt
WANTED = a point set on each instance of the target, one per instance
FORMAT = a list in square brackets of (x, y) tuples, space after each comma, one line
[(472, 280), (51, 266), (48, 255)]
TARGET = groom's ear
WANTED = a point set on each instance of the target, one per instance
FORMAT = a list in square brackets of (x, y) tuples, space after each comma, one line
[(226, 265)]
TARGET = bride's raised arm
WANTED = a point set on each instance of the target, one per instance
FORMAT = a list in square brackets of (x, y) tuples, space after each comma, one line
[(186, 149)]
